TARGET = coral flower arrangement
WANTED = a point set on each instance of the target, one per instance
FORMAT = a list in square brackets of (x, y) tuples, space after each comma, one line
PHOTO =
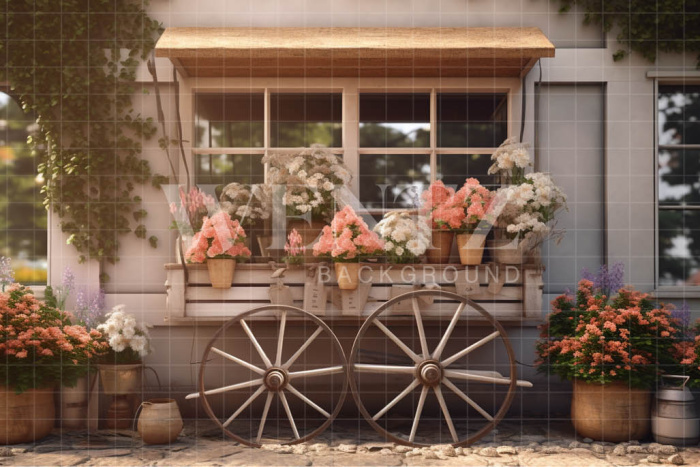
[(294, 248), (220, 238), (440, 205), (39, 345), (598, 339), (347, 239), (475, 201)]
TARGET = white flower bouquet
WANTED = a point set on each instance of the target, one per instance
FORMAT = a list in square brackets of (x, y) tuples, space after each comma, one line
[(128, 340), (405, 238), (247, 203), (510, 160), (310, 180)]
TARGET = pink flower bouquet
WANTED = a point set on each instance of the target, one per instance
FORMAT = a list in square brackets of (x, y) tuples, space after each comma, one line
[(220, 238), (474, 200), (294, 248), (440, 204), (347, 239)]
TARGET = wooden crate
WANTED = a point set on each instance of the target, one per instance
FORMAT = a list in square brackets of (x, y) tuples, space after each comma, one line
[(509, 293)]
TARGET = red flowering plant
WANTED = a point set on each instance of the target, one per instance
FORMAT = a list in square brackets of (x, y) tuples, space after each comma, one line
[(39, 345), (441, 206), (220, 238), (601, 339), (348, 239)]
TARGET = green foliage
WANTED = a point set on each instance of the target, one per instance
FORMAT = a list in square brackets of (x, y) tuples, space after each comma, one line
[(646, 26), (73, 64)]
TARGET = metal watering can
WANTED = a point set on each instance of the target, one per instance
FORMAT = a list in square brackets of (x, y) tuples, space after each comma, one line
[(674, 416)]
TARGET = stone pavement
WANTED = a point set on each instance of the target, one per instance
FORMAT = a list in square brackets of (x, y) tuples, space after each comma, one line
[(351, 443)]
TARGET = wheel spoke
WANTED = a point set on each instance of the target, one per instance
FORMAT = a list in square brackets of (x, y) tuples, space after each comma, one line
[(448, 332), (446, 413), (280, 339), (407, 350), (331, 370), (308, 342), (419, 410), (250, 366), (244, 405), (396, 400), (232, 387), (260, 350), (283, 398), (263, 419), (469, 349), (467, 399), (384, 369), (472, 376), (421, 329), (297, 393)]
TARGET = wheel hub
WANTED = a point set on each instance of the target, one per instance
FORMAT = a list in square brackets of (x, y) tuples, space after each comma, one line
[(275, 379), (429, 372)]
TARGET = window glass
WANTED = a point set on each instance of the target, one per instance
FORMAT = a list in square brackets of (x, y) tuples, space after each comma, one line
[(390, 181), (679, 247), (23, 234), (221, 169), (389, 120), (229, 120), (303, 119), (679, 176), (679, 114), (454, 169), (471, 120)]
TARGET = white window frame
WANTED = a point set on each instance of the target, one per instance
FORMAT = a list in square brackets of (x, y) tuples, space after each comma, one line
[(350, 88), (668, 291)]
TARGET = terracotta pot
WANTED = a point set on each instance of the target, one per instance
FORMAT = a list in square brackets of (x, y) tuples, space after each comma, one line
[(611, 412), (160, 421), (439, 252), (348, 275), (74, 403), (26, 417), (221, 272), (121, 379), (471, 248)]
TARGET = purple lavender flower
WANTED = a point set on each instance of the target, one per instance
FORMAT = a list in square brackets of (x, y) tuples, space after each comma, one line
[(608, 280), (95, 311), (682, 314), (7, 275), (68, 281)]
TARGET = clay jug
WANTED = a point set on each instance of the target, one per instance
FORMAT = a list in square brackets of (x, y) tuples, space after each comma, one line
[(160, 421)]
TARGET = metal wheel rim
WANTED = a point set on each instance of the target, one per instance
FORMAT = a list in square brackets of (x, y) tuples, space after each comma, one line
[(505, 405), (237, 319)]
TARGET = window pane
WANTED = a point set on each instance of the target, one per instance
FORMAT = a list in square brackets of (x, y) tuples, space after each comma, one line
[(472, 120), (389, 120), (454, 169), (222, 169), (300, 120), (23, 235), (229, 120), (679, 176), (390, 181), (679, 247), (679, 114)]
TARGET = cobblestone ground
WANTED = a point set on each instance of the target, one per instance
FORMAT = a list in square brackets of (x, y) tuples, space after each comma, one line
[(527, 443)]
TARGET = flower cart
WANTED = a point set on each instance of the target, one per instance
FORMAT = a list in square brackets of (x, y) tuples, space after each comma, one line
[(476, 298)]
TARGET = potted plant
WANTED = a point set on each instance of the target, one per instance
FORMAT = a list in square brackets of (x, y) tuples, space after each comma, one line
[(526, 207), (608, 347), (345, 242), (251, 206), (41, 350), (295, 250), (445, 217), (307, 183), (405, 239), (475, 201), (220, 244)]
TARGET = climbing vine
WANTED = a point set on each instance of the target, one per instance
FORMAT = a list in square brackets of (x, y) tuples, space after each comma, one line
[(73, 63), (646, 26)]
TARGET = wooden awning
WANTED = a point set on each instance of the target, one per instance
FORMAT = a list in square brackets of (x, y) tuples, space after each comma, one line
[(354, 52)]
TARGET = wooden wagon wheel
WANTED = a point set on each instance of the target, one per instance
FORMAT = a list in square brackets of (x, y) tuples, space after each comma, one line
[(273, 374), (428, 370)]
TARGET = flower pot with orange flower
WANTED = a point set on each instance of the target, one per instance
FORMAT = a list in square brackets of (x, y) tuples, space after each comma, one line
[(345, 242), (444, 218), (36, 336), (612, 349), (220, 243), (474, 200)]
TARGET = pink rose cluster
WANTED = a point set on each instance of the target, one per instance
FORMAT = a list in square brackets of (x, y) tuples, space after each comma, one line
[(461, 210), (347, 238), (220, 237), (295, 244)]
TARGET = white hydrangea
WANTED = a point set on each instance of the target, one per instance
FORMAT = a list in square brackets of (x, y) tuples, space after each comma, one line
[(247, 203), (510, 155), (122, 331), (406, 238)]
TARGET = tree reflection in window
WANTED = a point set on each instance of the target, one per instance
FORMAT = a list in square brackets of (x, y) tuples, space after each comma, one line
[(679, 184), (23, 219)]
